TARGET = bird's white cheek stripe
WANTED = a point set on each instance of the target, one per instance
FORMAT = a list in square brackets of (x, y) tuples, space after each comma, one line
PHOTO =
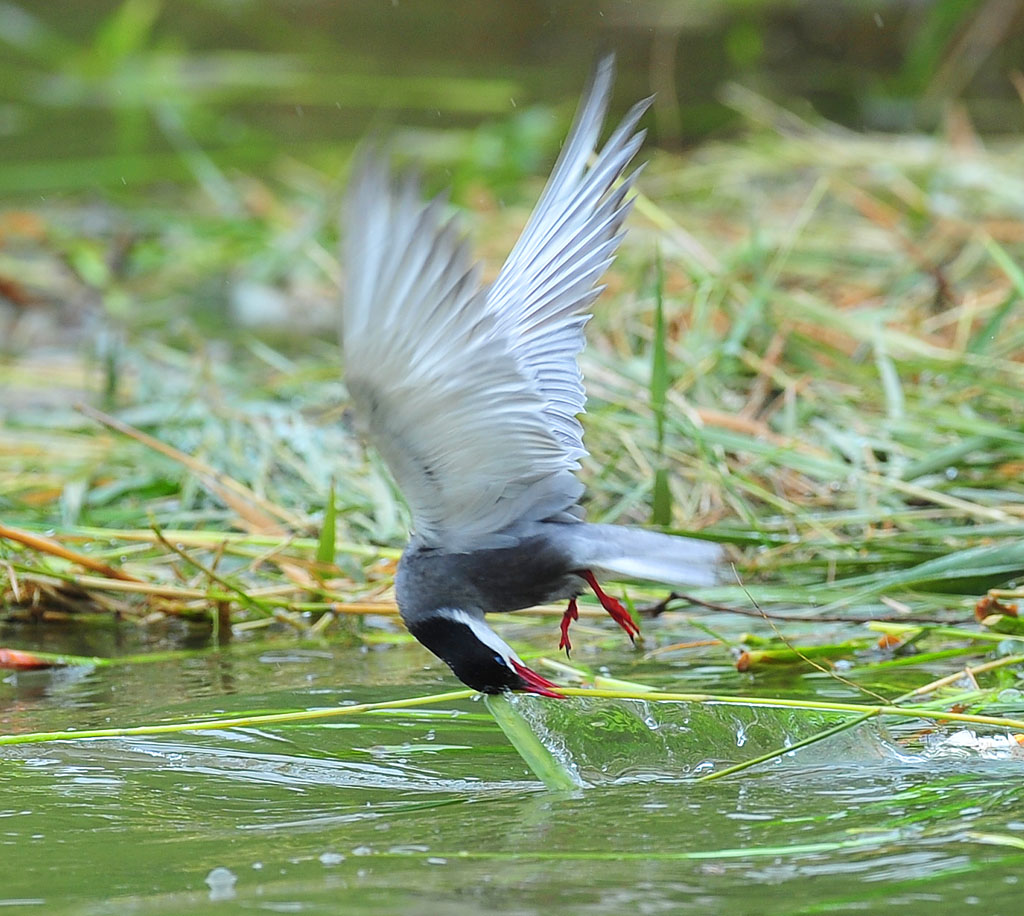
[(482, 632)]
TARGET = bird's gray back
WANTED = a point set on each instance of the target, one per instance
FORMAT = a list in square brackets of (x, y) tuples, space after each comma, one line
[(535, 570)]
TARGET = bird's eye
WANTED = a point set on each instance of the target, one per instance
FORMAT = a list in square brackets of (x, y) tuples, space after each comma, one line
[(500, 659)]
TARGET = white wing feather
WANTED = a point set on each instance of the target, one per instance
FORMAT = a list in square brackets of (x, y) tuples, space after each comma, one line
[(549, 277), (471, 395)]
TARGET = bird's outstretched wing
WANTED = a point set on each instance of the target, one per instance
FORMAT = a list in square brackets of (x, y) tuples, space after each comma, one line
[(551, 274), (471, 394)]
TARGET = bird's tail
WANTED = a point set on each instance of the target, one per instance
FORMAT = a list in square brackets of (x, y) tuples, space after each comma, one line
[(635, 553)]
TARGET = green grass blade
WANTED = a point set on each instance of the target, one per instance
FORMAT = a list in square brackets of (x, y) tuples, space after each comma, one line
[(659, 356), (661, 507), (325, 546), (963, 571), (661, 497), (171, 728), (545, 766)]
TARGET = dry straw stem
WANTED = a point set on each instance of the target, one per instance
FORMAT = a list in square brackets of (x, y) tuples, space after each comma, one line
[(212, 539), (160, 590), (56, 549), (258, 513)]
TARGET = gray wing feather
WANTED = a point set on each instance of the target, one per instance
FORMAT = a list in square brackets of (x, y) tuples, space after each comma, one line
[(549, 277), (471, 394), (434, 381)]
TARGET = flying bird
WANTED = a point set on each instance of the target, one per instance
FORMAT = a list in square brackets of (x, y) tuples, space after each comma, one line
[(471, 393)]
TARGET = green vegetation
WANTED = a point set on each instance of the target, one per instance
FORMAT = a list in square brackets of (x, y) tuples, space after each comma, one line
[(809, 349)]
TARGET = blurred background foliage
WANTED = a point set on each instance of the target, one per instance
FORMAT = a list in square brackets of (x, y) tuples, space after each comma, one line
[(117, 93), (126, 103), (834, 186)]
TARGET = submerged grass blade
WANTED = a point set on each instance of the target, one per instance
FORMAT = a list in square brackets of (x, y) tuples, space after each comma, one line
[(853, 842), (536, 755)]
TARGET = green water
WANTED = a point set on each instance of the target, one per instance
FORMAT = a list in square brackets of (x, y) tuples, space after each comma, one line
[(431, 810)]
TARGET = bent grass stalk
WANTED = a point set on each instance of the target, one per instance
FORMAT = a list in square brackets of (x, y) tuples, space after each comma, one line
[(852, 723), (911, 712), (536, 755), (866, 711), (170, 728)]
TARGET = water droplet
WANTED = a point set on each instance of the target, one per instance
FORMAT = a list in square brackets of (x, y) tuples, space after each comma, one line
[(221, 882)]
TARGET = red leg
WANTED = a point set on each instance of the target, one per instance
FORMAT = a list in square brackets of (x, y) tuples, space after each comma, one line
[(571, 614), (613, 606)]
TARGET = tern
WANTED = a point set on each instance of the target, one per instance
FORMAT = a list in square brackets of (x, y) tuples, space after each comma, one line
[(472, 393)]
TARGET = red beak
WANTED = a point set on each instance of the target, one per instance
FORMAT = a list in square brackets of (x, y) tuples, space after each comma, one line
[(534, 683)]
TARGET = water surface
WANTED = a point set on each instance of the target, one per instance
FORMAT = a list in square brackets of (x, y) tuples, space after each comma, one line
[(431, 810)]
